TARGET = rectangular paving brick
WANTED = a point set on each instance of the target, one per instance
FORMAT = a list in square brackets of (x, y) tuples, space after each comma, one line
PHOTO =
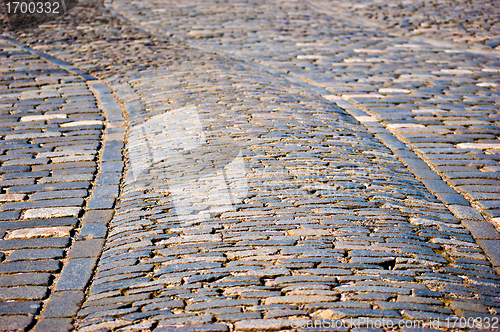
[(33, 254), (10, 215), (30, 266), (95, 203), (15, 323), (86, 248), (76, 274), (20, 308), (74, 164), (11, 169), (105, 191), (25, 279), (112, 151), (438, 186), (93, 230), (23, 293), (465, 212), (54, 242), (414, 162), (489, 204), (425, 173), (112, 166), (493, 213), (49, 212), (54, 325), (455, 199), (59, 194), (17, 182), (63, 304), (76, 170), (480, 188), (108, 178), (17, 175), (492, 250), (43, 203), (49, 186), (63, 221), (98, 216)]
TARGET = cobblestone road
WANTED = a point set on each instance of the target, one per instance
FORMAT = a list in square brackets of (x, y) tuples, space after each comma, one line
[(285, 161)]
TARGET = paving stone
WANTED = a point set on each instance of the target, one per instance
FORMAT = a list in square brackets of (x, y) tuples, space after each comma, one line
[(299, 299), (108, 179), (20, 307), (239, 316), (59, 194), (10, 215), (23, 293), (438, 186), (76, 274), (30, 266), (63, 304), (468, 306), (98, 216), (38, 223), (51, 212), (53, 325), (120, 284), (49, 186), (29, 233), (117, 299), (101, 203), (92, 231), (465, 212), (43, 203), (15, 323), (111, 166), (25, 279), (452, 199), (340, 313), (491, 248), (32, 254), (86, 248)]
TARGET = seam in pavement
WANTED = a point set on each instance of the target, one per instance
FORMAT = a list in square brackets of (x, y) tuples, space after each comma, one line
[(88, 242), (485, 233)]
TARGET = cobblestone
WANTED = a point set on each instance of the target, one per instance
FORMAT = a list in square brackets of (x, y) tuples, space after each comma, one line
[(283, 161)]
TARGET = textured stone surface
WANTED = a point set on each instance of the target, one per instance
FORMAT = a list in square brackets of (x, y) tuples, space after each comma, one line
[(284, 160)]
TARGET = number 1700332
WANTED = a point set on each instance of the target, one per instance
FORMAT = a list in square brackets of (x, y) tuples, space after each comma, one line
[(33, 7)]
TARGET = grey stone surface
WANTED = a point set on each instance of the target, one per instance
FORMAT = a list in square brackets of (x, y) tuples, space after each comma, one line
[(53, 325), (283, 159), (93, 231), (63, 304), (23, 293), (15, 323), (20, 307), (32, 254), (86, 248), (97, 216), (76, 274)]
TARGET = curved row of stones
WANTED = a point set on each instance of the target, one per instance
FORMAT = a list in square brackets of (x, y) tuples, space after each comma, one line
[(327, 222), (330, 214), (440, 99)]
